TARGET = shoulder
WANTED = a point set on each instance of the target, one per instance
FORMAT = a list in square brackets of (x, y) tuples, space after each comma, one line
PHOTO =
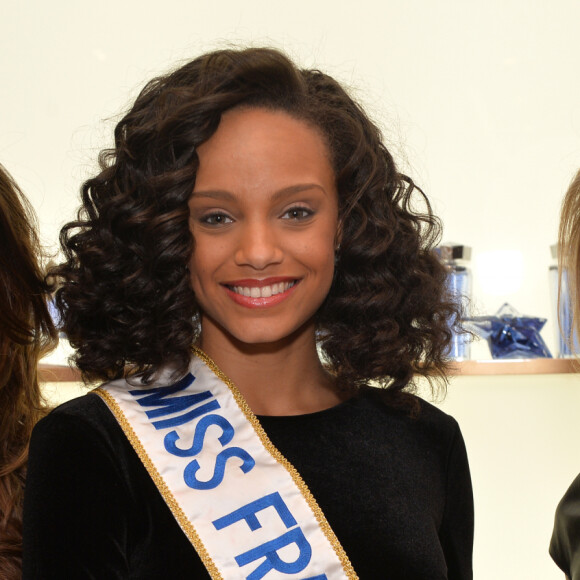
[(566, 534), (571, 499), (80, 421), (89, 408), (81, 442), (426, 429), (435, 418), (419, 415)]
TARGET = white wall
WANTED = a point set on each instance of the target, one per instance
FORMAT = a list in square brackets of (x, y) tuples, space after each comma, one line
[(480, 101), (522, 435)]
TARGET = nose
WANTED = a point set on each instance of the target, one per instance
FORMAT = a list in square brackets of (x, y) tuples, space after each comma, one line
[(258, 247)]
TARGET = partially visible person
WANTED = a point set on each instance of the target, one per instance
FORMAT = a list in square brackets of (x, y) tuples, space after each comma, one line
[(26, 333), (565, 544)]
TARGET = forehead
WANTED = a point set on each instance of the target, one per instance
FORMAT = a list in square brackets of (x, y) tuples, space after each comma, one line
[(262, 146), (251, 121)]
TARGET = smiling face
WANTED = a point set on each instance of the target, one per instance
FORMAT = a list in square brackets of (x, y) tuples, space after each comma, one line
[(264, 215)]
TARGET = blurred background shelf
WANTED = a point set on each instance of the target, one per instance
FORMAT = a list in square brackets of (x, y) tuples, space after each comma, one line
[(536, 366), (53, 373)]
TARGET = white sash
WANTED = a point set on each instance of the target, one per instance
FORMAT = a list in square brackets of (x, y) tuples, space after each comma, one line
[(242, 505)]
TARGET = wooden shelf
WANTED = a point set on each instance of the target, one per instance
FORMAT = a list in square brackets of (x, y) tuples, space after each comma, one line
[(58, 374), (532, 366), (535, 366)]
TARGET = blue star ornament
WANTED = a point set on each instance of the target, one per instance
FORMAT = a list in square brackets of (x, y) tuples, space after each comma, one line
[(511, 335)]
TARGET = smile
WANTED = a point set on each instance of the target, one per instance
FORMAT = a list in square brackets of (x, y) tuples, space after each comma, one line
[(262, 291)]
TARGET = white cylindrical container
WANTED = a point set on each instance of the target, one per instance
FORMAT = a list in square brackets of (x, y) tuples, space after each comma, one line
[(455, 258)]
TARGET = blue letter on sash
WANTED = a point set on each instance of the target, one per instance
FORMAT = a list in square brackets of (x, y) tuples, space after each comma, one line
[(155, 396), (199, 435), (159, 397), (273, 561), (249, 511), (220, 467), (269, 549)]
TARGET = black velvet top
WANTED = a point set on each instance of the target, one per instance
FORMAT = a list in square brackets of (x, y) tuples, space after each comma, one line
[(396, 490), (565, 544)]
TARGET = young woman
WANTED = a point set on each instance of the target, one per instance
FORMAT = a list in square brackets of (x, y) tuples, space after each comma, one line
[(565, 544), (26, 332), (245, 265)]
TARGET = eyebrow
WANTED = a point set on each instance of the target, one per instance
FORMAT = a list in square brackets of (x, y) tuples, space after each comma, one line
[(220, 194)]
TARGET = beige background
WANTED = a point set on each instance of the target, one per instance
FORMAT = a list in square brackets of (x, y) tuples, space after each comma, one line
[(480, 102)]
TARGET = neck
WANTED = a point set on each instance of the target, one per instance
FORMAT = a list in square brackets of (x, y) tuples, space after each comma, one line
[(282, 378)]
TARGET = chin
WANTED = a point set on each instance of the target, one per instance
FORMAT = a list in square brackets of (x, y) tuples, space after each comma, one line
[(264, 337), (255, 334)]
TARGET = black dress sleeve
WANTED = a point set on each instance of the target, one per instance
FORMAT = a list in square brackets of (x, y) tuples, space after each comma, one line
[(457, 526), (75, 523), (565, 543)]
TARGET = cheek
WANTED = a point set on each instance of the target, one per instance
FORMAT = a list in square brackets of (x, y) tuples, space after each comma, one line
[(197, 271), (319, 255), (204, 258), (329, 264)]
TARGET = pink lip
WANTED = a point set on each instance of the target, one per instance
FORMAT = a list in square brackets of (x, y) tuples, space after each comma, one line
[(249, 302)]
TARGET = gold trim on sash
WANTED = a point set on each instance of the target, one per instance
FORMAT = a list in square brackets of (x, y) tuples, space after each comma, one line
[(273, 451), (169, 498), (185, 524)]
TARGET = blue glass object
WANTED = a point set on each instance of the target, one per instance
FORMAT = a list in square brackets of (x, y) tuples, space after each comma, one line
[(566, 337), (54, 313), (511, 335)]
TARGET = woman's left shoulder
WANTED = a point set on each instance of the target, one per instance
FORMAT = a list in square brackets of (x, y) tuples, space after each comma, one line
[(430, 413), (440, 424), (412, 413)]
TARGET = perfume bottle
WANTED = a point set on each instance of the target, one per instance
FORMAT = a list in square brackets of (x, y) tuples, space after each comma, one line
[(566, 337), (455, 258)]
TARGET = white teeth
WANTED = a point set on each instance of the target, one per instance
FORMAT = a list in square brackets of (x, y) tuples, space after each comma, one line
[(263, 291)]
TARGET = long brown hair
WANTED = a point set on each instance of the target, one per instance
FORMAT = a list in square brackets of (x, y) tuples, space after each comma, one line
[(569, 247), (26, 333)]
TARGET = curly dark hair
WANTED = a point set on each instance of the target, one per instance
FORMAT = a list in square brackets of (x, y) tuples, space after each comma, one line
[(126, 298)]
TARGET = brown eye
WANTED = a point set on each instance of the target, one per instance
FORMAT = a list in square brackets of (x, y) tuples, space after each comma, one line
[(216, 219), (297, 213)]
